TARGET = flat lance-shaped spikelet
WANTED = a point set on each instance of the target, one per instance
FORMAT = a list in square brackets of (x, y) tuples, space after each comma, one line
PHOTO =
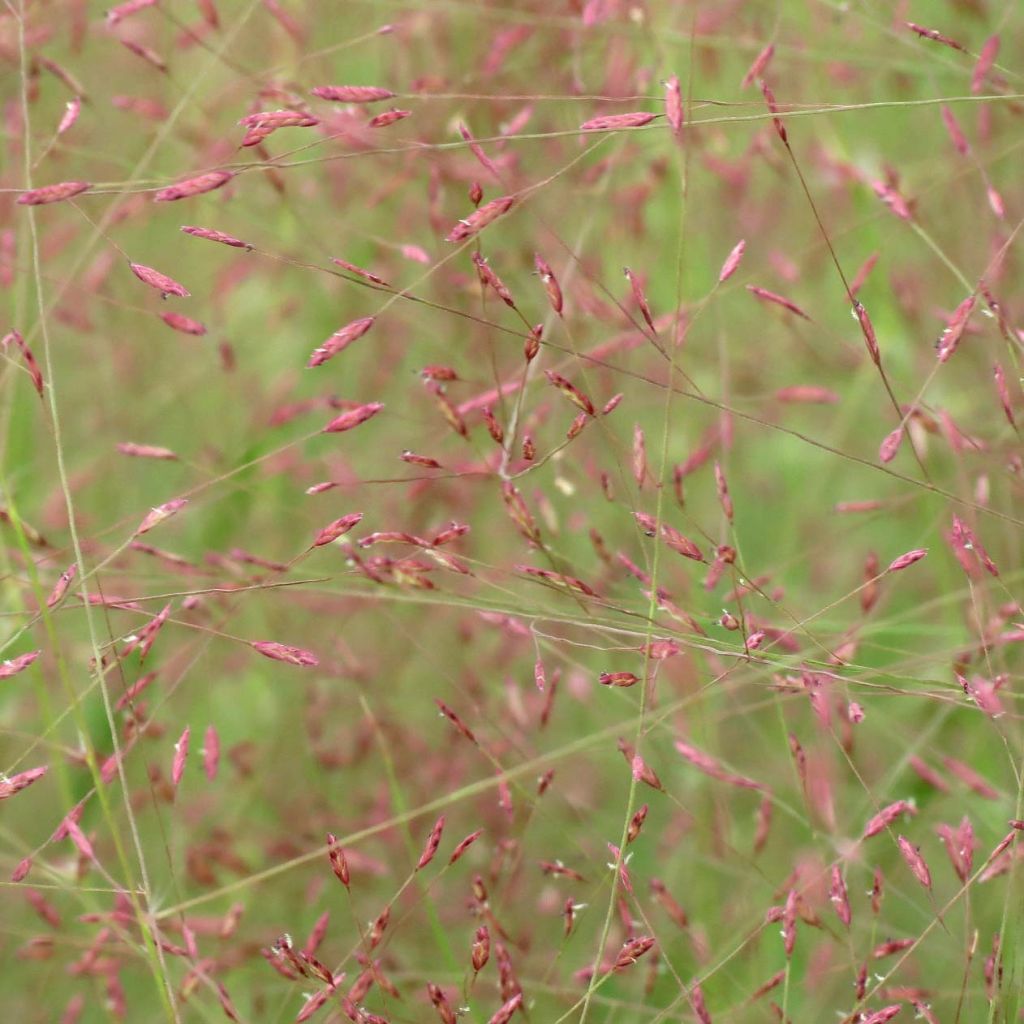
[(161, 282), (504, 1013), (908, 559), (339, 863), (60, 588), (433, 842), (352, 93), (193, 186), (674, 106), (184, 324), (157, 515), (839, 897), (886, 816), (756, 70), (28, 357), (282, 652), (340, 340), (352, 418), (573, 393), (779, 300), (9, 785), (53, 193), (216, 236), (180, 756), (480, 218), (732, 261), (612, 122), (550, 282), (621, 679), (707, 764), (912, 855), (388, 117), (337, 529)]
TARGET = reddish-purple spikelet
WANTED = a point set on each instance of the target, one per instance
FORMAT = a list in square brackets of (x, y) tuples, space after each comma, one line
[(773, 108), (801, 393), (339, 863), (53, 193), (936, 36), (184, 324), (912, 855), (433, 842), (338, 528), (269, 120), (504, 1013), (9, 785), (953, 129), (986, 58), (885, 1014), (388, 117), (145, 451), (134, 690), (340, 340), (867, 329), (61, 586), (924, 1011), (352, 418), (480, 218), (789, 923), (890, 445), (631, 951), (161, 282), (862, 274), (180, 756), (970, 778), (550, 282), (452, 717), (613, 122), (908, 559), (193, 186), (130, 7), (723, 492), (892, 198), (282, 652), (838, 896), (639, 297), (700, 1007), (618, 679), (211, 753), (21, 870), (12, 666), (464, 845), (79, 839), (216, 236), (352, 93), (756, 70), (1003, 390), (159, 514), (955, 327), (732, 261), (573, 393), (353, 269), (674, 106), (28, 357), (779, 300), (886, 816)]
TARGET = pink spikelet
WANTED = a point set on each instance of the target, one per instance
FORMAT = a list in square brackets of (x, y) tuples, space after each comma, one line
[(639, 297), (180, 757), (773, 107), (161, 282), (504, 1013), (912, 855), (986, 59), (339, 863), (613, 122), (433, 842), (789, 923), (891, 445), (73, 108), (934, 35), (193, 186), (779, 300), (159, 514), (125, 10), (955, 328), (61, 586), (340, 340), (358, 271), (184, 324), (352, 418), (216, 236), (145, 451), (337, 529), (1003, 390), (732, 261), (892, 198), (757, 69), (463, 846), (884, 1015), (723, 492), (28, 357), (352, 93), (674, 106), (53, 193), (709, 766), (389, 117), (480, 218), (886, 816), (211, 753), (953, 129), (9, 785), (867, 329), (282, 652), (838, 896), (908, 559)]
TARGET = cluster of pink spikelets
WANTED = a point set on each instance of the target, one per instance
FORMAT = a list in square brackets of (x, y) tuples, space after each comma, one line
[(620, 620)]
